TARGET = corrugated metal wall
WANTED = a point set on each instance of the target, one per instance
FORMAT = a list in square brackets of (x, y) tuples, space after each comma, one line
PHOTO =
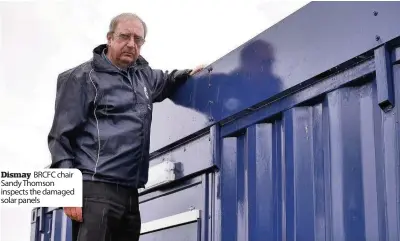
[(50, 224), (324, 169), (318, 161), (322, 163)]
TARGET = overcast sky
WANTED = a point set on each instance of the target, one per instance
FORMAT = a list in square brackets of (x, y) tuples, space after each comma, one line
[(39, 39)]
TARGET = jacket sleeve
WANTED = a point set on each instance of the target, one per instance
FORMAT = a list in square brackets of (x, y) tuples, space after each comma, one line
[(166, 83), (71, 107)]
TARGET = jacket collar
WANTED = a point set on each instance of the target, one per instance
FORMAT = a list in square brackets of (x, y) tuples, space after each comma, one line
[(101, 64)]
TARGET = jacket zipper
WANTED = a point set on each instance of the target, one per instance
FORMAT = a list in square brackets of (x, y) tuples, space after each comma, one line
[(134, 93), (144, 132), (139, 166)]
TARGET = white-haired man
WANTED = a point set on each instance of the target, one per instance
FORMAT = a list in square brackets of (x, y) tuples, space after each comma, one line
[(101, 126)]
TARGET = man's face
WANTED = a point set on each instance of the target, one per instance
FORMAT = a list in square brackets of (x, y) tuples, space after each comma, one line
[(125, 42)]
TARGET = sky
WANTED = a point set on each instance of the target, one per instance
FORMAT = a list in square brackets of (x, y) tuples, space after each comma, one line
[(40, 39)]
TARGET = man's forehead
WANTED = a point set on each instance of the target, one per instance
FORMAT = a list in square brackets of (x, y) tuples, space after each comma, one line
[(131, 26)]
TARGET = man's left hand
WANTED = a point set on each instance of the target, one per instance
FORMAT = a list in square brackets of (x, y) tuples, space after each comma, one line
[(197, 69)]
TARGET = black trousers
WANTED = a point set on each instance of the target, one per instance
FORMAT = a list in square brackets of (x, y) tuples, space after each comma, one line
[(110, 213)]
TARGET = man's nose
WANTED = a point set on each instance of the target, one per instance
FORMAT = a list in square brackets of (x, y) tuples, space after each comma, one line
[(131, 42)]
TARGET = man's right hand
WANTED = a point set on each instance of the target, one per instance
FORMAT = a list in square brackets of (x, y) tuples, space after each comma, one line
[(74, 213)]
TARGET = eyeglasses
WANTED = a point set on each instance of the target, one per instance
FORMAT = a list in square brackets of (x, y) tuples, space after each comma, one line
[(126, 37)]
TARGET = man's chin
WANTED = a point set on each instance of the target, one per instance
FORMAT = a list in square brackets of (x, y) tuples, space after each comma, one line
[(127, 60)]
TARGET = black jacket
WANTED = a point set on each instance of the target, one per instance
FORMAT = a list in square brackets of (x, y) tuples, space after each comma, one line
[(103, 116)]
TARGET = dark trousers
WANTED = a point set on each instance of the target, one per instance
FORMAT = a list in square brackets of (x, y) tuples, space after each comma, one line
[(110, 213)]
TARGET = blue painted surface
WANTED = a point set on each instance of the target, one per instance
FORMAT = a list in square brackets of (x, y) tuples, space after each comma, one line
[(339, 169), (183, 155), (384, 77), (311, 41), (319, 160)]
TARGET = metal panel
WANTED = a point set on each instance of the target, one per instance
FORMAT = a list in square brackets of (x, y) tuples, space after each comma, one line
[(61, 226), (359, 71), (171, 221), (311, 42), (391, 163), (384, 77), (326, 169), (55, 225), (172, 200), (179, 209), (317, 157), (188, 232), (202, 145), (34, 225)]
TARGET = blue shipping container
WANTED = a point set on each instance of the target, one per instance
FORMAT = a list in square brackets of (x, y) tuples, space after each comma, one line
[(310, 153)]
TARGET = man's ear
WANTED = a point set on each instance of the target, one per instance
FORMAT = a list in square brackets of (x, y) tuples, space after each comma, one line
[(109, 38)]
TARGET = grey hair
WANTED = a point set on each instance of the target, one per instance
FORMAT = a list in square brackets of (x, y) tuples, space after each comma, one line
[(114, 22)]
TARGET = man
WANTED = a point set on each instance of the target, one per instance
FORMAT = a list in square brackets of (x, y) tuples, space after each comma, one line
[(101, 126)]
